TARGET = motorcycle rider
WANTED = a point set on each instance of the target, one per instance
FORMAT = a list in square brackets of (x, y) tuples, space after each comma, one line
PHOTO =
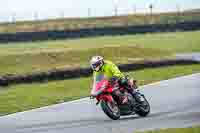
[(108, 70)]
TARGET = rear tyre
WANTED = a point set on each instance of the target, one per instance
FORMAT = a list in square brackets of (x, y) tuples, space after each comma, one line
[(144, 108), (111, 110)]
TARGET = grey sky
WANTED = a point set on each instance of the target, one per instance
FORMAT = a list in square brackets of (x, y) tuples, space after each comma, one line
[(25, 9)]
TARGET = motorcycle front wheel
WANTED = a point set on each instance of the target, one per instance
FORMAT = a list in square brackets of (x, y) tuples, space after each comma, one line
[(111, 110)]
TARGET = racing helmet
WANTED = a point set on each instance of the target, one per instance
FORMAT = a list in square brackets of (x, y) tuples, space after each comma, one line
[(96, 63)]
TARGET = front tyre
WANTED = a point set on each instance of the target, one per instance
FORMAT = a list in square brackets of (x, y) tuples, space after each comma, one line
[(111, 110), (144, 108)]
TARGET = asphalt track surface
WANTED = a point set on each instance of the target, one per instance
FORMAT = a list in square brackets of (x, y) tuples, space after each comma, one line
[(189, 56), (174, 103)]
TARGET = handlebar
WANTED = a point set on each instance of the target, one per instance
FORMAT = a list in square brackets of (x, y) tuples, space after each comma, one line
[(92, 97)]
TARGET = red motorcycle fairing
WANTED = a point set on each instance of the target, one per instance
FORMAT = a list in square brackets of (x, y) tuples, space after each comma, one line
[(102, 86), (106, 97), (103, 91)]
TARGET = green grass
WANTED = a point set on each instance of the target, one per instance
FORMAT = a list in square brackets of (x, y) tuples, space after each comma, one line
[(114, 21), (173, 41), (20, 58), (23, 97), (195, 129), (44, 61)]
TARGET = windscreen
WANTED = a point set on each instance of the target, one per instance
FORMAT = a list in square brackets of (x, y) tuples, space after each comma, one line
[(98, 84), (99, 78)]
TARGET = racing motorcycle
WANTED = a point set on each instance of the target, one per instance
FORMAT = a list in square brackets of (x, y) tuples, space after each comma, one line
[(111, 105)]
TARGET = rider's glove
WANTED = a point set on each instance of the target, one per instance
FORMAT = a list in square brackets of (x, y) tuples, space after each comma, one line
[(123, 81)]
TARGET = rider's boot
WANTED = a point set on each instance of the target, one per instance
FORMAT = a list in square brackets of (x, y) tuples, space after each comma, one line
[(138, 96), (128, 84), (125, 83)]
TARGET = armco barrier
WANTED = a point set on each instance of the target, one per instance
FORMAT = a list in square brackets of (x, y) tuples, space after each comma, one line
[(84, 72), (53, 35)]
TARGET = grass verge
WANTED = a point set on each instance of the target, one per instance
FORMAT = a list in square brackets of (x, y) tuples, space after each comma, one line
[(44, 61), (21, 58), (23, 97), (195, 129)]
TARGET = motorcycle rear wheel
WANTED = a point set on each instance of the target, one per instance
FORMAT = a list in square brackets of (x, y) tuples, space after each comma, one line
[(111, 110), (143, 110)]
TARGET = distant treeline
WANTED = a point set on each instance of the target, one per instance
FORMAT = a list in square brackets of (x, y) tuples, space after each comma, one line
[(90, 32)]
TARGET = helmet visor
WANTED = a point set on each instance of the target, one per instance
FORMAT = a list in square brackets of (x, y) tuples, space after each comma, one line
[(96, 65)]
